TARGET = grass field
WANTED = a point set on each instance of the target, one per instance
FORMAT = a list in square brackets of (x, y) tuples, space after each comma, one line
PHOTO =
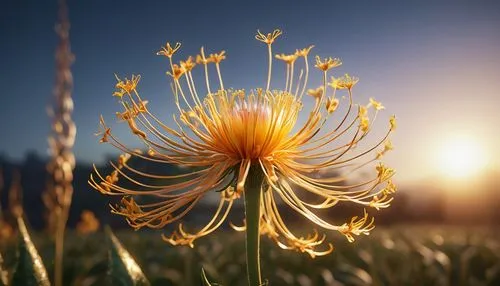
[(423, 255)]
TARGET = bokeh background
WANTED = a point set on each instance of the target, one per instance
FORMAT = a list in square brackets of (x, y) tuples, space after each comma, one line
[(435, 64)]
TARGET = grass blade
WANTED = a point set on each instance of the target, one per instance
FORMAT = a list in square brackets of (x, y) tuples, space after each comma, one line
[(123, 270), (30, 269)]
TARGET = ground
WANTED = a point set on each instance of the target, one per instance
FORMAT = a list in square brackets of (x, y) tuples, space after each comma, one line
[(416, 255)]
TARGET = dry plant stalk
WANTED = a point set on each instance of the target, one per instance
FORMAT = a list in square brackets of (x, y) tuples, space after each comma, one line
[(16, 195), (57, 197)]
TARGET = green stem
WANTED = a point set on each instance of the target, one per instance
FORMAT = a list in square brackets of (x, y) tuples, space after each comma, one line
[(252, 215)]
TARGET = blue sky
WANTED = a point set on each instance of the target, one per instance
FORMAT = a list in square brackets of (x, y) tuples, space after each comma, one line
[(435, 64)]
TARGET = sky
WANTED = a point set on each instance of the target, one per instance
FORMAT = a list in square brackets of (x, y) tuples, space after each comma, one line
[(435, 64)]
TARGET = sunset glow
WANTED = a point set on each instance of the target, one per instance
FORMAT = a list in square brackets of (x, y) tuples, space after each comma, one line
[(461, 156)]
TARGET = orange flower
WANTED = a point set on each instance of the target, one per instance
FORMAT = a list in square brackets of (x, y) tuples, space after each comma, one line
[(222, 135), (88, 223)]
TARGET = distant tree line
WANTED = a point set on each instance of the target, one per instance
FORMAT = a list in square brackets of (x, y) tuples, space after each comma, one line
[(406, 207)]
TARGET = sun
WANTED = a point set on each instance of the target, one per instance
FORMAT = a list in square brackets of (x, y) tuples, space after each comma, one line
[(461, 156)]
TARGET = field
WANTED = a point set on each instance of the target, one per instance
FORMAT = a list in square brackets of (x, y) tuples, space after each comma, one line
[(423, 255)]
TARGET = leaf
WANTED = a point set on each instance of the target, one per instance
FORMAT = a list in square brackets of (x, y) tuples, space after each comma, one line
[(123, 270), (204, 279), (30, 269)]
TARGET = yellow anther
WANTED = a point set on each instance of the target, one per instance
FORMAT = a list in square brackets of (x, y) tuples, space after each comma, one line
[(392, 122), (289, 59), (383, 172), (177, 71), (363, 111), (188, 65), (344, 82), (377, 105), (316, 93), (127, 85), (269, 38), (168, 51), (332, 104), (364, 124), (327, 63), (303, 52), (217, 58)]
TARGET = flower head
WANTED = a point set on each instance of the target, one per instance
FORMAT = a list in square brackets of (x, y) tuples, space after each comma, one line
[(218, 57), (377, 105), (303, 52), (344, 82), (177, 71), (387, 147), (317, 92), (331, 104), (269, 37), (88, 223), (392, 122), (126, 86), (168, 51), (220, 134), (201, 59), (289, 59), (188, 65), (328, 63)]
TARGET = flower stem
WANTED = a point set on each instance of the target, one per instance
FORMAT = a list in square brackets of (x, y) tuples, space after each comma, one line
[(252, 214), (62, 219)]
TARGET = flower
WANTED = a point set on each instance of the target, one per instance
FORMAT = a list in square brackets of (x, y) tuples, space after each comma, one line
[(188, 65), (303, 52), (218, 57), (220, 136), (344, 82), (168, 51), (88, 223), (331, 104), (201, 59), (126, 86), (289, 59), (387, 147), (377, 105), (364, 123), (316, 92), (328, 63), (269, 37), (392, 122), (177, 71)]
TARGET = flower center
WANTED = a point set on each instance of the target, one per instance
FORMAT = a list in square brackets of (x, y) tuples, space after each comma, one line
[(255, 126)]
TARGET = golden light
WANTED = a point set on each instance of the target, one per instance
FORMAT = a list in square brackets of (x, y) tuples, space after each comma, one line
[(461, 156)]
